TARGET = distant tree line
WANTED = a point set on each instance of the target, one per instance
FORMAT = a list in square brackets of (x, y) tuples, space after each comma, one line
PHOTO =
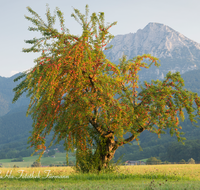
[(171, 152), (156, 161)]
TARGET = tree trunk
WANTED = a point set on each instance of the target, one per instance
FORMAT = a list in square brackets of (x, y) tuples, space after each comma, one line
[(106, 147), (105, 152)]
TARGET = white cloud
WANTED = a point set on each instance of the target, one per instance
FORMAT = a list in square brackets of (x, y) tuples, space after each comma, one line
[(13, 72)]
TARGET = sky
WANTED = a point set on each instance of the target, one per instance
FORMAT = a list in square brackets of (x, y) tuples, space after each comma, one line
[(131, 15)]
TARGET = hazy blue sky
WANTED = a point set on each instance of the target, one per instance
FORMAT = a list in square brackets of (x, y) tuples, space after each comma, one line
[(181, 15)]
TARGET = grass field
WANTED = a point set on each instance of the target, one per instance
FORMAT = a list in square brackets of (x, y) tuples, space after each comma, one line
[(186, 176), (59, 158), (45, 161)]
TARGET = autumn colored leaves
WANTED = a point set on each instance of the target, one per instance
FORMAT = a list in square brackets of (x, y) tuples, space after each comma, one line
[(85, 99)]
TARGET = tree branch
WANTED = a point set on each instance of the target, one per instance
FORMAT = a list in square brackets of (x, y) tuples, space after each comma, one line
[(104, 134), (140, 130)]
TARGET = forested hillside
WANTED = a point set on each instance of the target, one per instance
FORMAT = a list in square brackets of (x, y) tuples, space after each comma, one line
[(192, 80), (6, 95), (15, 129), (167, 148)]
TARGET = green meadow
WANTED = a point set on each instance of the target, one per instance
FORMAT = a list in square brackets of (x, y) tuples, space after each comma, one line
[(182, 176), (45, 161)]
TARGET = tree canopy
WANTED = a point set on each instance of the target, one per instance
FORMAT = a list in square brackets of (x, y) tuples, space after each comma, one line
[(89, 102)]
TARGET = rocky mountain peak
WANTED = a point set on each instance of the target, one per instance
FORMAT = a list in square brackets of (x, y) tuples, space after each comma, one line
[(176, 52), (156, 39)]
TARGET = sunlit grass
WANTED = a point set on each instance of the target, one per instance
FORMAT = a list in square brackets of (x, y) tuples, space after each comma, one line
[(186, 176), (190, 171), (37, 171), (185, 171)]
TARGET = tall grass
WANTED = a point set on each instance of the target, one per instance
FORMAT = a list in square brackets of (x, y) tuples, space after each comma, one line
[(125, 177), (171, 172)]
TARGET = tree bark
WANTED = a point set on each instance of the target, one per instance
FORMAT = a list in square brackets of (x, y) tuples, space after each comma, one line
[(105, 152), (107, 147)]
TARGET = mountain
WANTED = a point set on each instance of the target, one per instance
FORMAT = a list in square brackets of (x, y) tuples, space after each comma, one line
[(7, 94), (175, 51), (15, 129), (192, 81), (15, 126)]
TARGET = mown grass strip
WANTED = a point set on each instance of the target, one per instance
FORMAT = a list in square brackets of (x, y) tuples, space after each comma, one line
[(92, 177)]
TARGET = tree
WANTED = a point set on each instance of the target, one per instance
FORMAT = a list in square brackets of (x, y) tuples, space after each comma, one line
[(191, 161), (19, 159), (91, 103), (51, 152), (182, 161), (153, 161), (61, 149), (36, 164), (71, 163)]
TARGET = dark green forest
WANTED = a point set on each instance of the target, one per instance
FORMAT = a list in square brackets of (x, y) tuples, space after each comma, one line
[(166, 148), (15, 129)]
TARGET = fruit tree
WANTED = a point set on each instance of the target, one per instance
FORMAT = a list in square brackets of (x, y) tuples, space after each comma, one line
[(90, 102)]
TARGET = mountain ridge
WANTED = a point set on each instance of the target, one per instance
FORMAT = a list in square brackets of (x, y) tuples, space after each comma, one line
[(7, 94), (175, 51), (152, 34)]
